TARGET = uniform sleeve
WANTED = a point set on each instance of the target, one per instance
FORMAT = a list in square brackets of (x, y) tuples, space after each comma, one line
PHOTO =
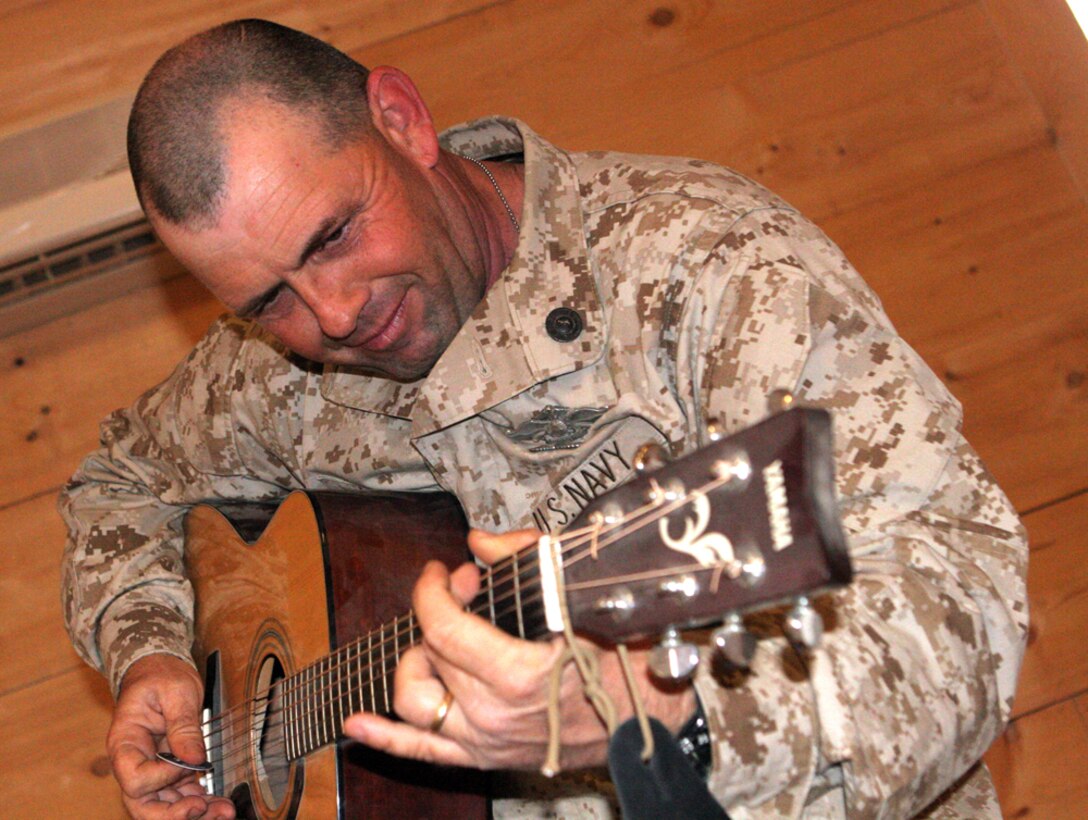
[(919, 663), (222, 426)]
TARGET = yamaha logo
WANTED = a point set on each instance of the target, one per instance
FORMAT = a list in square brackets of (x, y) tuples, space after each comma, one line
[(778, 507)]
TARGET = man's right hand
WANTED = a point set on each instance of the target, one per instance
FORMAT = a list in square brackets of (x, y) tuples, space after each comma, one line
[(158, 710)]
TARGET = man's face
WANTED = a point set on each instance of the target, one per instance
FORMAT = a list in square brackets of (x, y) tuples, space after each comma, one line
[(355, 256)]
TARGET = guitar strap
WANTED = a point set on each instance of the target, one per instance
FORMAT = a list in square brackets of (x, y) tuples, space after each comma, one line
[(667, 785), (653, 776)]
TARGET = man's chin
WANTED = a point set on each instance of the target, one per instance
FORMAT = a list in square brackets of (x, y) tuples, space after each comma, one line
[(399, 370)]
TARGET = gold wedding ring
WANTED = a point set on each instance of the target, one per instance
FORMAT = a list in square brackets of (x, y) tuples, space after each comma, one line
[(442, 711)]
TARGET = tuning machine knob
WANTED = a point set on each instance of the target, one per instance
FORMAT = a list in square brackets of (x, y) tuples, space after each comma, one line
[(780, 400), (650, 457), (736, 643), (715, 430), (804, 626), (673, 658)]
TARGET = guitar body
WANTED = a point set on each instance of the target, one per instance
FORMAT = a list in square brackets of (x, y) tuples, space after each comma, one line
[(325, 568)]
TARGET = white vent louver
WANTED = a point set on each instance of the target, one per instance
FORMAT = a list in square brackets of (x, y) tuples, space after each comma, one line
[(71, 230)]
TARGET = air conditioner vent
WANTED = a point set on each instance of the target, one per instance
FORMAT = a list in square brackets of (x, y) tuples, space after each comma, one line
[(72, 233), (75, 261)]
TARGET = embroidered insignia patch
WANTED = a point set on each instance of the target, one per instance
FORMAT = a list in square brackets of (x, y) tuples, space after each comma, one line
[(555, 427)]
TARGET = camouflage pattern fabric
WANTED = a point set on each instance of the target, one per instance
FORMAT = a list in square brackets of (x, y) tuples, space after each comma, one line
[(698, 292)]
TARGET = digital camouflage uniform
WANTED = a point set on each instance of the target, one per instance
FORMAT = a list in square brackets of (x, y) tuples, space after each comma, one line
[(699, 293)]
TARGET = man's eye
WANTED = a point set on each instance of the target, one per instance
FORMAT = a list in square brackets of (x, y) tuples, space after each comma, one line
[(334, 237), (269, 302)]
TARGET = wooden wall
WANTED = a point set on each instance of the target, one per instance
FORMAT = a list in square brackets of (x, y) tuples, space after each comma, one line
[(942, 143)]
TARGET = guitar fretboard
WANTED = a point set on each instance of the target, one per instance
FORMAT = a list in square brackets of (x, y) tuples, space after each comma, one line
[(358, 677)]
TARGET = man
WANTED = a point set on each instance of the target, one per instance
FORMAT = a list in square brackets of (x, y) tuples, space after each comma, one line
[(458, 303)]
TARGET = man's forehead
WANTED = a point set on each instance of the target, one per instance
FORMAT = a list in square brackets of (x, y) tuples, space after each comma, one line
[(251, 125)]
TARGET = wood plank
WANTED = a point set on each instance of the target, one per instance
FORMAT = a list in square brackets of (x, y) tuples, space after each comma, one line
[(35, 644), (52, 749), (966, 239), (81, 55), (60, 379), (815, 109), (1039, 765), (1027, 414), (848, 126), (968, 266), (1030, 28), (573, 66), (1056, 665)]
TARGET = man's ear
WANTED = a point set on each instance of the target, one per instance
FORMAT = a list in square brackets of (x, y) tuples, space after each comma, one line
[(400, 115)]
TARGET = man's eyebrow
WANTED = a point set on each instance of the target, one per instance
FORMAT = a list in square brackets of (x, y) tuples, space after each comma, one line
[(254, 305), (317, 238)]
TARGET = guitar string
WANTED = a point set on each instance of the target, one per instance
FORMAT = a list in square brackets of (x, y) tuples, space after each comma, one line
[(621, 529), (330, 711), (355, 667), (326, 707), (578, 538), (327, 710)]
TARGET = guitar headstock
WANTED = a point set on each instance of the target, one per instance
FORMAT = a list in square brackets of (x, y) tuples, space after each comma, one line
[(747, 522)]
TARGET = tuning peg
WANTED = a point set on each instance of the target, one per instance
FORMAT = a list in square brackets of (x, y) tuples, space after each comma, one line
[(650, 457), (714, 430), (736, 643), (673, 658), (780, 400), (804, 626)]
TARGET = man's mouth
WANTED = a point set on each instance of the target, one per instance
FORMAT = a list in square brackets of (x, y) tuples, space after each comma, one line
[(390, 331)]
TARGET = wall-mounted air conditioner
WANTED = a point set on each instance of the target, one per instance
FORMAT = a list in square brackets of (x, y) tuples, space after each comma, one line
[(71, 230)]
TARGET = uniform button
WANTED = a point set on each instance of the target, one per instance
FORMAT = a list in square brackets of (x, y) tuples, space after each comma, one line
[(564, 324)]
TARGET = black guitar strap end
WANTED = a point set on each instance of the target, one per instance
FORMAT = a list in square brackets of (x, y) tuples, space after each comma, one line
[(667, 786)]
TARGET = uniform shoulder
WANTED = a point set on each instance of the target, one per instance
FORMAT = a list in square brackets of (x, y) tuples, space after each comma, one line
[(229, 339), (607, 179), (236, 360)]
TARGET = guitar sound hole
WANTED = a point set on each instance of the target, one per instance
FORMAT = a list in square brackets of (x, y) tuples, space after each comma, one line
[(267, 737)]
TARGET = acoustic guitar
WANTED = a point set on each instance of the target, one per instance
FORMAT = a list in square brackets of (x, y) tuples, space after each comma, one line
[(301, 618)]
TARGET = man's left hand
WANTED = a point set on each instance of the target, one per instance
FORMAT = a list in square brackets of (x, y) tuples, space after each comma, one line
[(498, 715)]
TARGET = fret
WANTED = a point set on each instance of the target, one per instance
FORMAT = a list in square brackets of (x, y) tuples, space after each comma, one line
[(347, 683), (358, 672), (491, 596), (288, 727), (517, 596), (327, 704), (308, 709), (396, 642), (348, 700), (319, 702), (300, 716), (336, 695), (499, 595), (283, 701), (296, 700), (385, 679), (370, 669), (297, 717), (339, 694), (344, 671)]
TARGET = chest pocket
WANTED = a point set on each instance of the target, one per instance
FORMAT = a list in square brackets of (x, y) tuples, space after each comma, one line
[(604, 462), (504, 483)]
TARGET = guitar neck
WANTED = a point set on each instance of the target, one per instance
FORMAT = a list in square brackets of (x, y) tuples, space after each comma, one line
[(358, 677), (746, 522)]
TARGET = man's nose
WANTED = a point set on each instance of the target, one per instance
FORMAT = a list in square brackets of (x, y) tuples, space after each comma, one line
[(337, 302)]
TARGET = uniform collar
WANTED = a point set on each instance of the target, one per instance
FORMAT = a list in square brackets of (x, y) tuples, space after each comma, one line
[(503, 349)]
